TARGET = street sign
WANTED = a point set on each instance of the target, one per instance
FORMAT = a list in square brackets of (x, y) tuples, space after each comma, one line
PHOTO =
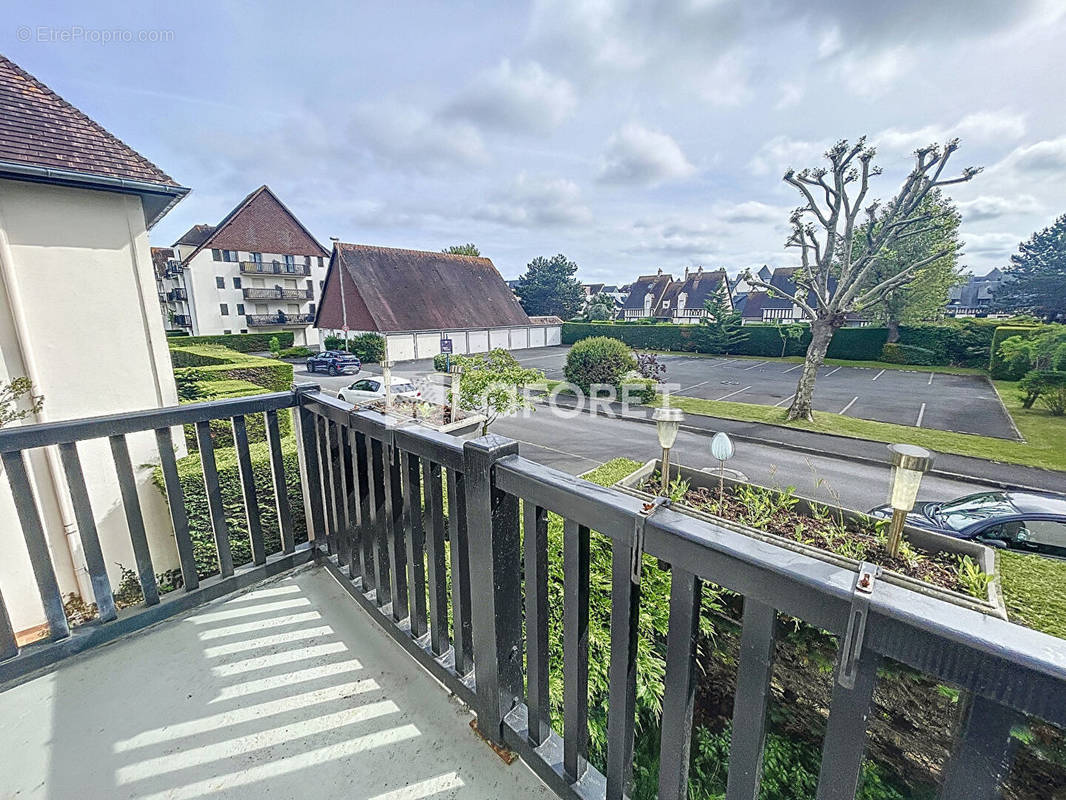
[(345, 329), (446, 345)]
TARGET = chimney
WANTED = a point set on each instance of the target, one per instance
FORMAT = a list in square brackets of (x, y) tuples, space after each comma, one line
[(699, 270), (686, 273), (660, 272)]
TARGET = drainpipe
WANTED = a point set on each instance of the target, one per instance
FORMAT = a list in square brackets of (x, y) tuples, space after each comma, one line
[(56, 483)]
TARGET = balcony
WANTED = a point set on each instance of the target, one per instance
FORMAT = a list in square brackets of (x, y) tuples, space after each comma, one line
[(183, 320), (273, 268), (277, 678), (279, 320), (180, 294), (254, 293)]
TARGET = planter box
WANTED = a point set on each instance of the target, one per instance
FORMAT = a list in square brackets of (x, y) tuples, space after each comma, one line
[(466, 422), (925, 540)]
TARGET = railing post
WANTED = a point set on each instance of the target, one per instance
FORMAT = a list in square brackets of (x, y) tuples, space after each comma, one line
[(312, 478), (495, 580)]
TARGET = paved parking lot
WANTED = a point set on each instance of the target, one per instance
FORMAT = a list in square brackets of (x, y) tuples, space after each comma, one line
[(963, 403)]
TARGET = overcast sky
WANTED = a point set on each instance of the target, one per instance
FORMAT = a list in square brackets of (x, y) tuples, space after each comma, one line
[(629, 136)]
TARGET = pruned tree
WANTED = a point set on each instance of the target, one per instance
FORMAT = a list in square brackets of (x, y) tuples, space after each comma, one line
[(468, 249), (842, 238)]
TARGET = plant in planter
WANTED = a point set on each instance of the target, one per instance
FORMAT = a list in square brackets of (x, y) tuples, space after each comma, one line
[(490, 385)]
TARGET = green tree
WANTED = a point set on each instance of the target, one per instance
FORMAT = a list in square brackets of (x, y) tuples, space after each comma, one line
[(468, 249), (1038, 275), (491, 384), (723, 325), (599, 307), (923, 298), (18, 389), (549, 287)]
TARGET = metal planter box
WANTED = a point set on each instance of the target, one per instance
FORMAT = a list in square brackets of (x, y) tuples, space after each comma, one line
[(926, 540)]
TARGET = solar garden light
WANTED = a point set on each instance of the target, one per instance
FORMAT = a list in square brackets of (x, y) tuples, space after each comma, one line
[(909, 464), (386, 375), (722, 449), (457, 376), (667, 422)]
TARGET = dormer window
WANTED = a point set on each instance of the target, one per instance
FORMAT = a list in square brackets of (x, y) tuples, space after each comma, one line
[(681, 298)]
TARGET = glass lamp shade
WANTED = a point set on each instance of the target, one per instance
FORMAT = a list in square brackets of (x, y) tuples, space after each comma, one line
[(667, 422), (905, 483)]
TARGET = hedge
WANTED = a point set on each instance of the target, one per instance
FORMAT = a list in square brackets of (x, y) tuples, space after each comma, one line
[(958, 343), (242, 342), (1000, 369), (860, 344), (897, 353), (370, 347), (190, 474)]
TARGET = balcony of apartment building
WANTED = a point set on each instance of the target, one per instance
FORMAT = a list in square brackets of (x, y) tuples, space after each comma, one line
[(274, 267), (279, 320), (179, 294), (183, 320), (254, 293), (414, 585)]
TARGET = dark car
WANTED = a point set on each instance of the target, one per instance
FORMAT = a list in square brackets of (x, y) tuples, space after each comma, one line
[(335, 362), (1032, 522)]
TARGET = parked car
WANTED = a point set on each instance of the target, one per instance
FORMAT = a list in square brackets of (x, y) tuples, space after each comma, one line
[(335, 362), (372, 387), (1031, 522)]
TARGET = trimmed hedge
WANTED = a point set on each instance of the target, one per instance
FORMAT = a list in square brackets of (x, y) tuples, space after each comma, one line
[(958, 343), (1000, 369), (242, 342), (896, 353), (859, 344), (369, 347), (190, 474)]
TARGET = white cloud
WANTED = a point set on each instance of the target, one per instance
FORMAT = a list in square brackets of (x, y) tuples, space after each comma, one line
[(992, 207), (537, 200), (404, 136), (782, 153), (522, 97), (981, 127), (1042, 159), (791, 93), (989, 246), (639, 155), (751, 211), (725, 82), (870, 74)]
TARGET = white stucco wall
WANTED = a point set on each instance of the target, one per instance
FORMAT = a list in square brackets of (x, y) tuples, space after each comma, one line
[(79, 314), (401, 344)]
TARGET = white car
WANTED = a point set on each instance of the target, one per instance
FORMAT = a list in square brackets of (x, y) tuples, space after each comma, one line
[(372, 387)]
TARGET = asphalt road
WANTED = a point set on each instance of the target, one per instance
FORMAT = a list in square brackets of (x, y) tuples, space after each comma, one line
[(963, 403)]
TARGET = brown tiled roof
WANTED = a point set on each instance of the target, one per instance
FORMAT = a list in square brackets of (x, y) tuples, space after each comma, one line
[(39, 128), (389, 289), (160, 256), (261, 223), (196, 235)]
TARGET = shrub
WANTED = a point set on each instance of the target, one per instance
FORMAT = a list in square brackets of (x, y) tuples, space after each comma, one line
[(275, 346), (295, 352), (857, 344), (598, 360), (241, 342), (1046, 386), (1000, 367), (370, 347), (896, 353), (959, 343), (638, 387), (190, 474), (440, 362)]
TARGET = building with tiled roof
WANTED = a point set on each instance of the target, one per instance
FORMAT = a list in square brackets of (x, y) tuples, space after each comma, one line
[(645, 296)]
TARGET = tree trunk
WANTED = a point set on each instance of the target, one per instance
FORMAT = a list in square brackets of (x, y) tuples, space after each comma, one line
[(893, 331), (822, 331)]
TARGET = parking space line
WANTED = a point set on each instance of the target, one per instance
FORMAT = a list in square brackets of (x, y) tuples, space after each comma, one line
[(693, 386), (921, 413), (931, 374), (738, 391), (792, 368), (538, 358), (780, 403), (827, 375), (753, 366), (844, 410), (878, 375)]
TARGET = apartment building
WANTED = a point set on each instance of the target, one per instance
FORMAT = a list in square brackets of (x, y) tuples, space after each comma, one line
[(681, 302), (258, 271)]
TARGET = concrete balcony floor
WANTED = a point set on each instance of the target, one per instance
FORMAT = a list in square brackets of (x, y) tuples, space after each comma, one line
[(288, 690)]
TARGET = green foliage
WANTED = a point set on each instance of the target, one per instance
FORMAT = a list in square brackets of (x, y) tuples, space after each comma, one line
[(1034, 591), (440, 362), (190, 473), (1038, 272), (723, 324), (896, 353), (973, 578), (955, 342), (241, 342), (1004, 368), (1048, 387), (176, 332), (491, 384), (15, 392), (369, 347), (295, 352), (549, 287), (599, 360), (275, 346), (793, 332), (1041, 349), (468, 249)]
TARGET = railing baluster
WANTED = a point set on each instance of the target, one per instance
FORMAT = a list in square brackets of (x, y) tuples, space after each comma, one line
[(312, 476), (621, 710), (535, 545), (983, 752), (87, 533), (9, 647), (355, 518), (685, 594), (214, 497), (335, 448), (176, 501), (437, 569), (575, 649), (845, 732), (365, 483), (394, 531), (376, 453), (462, 625), (36, 544), (281, 492), (251, 502), (329, 500), (751, 701), (416, 541), (131, 505)]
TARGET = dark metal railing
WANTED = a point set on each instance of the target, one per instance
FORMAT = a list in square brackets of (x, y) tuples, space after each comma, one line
[(183, 320), (177, 294), (255, 293), (400, 513), (260, 320), (274, 268)]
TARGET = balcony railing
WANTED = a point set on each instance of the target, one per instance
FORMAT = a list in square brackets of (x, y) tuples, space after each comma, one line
[(279, 320), (422, 529), (183, 320), (179, 294), (274, 268), (255, 293)]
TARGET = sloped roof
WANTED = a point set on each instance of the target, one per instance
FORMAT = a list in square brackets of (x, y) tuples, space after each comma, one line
[(260, 223), (655, 285), (391, 289), (782, 279), (160, 256), (44, 137), (698, 286), (195, 236)]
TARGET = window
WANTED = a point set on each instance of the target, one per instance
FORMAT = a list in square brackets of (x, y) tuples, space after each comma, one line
[(307, 261), (244, 330), (240, 309), (236, 283), (320, 261), (223, 309), (312, 309), (229, 255), (216, 255), (290, 263), (321, 285), (310, 285), (220, 282), (227, 332), (257, 258)]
